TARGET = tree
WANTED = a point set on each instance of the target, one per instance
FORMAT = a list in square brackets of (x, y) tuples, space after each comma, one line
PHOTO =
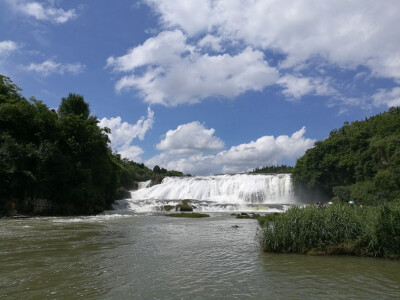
[(74, 104)]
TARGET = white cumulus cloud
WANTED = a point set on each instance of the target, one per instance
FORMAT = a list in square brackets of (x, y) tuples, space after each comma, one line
[(267, 150), (51, 67), (190, 138), (346, 33), (43, 12), (122, 134), (131, 152), (223, 48), (175, 73), (296, 87), (164, 49)]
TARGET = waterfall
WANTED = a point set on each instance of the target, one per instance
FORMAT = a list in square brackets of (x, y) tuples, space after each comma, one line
[(216, 193)]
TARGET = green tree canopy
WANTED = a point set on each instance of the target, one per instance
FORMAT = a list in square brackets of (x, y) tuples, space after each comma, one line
[(64, 158), (74, 104)]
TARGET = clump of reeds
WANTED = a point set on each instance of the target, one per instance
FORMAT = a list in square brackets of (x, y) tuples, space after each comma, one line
[(337, 229)]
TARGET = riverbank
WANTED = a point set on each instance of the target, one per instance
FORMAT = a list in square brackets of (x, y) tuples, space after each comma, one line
[(336, 229)]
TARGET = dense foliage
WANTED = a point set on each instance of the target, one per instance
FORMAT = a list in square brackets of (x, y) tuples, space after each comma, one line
[(359, 162), (272, 170), (337, 229), (61, 157)]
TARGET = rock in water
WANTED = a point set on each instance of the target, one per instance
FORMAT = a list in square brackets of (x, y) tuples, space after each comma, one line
[(185, 205)]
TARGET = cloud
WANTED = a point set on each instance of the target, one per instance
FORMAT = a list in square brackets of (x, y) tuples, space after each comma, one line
[(122, 134), (212, 42), (7, 47), (190, 138), (51, 67), (296, 87), (312, 48), (166, 70), (164, 49), (344, 33), (267, 150), (387, 97), (43, 13), (191, 16), (131, 152)]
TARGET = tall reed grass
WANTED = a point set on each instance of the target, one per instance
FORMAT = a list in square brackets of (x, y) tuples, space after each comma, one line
[(337, 229)]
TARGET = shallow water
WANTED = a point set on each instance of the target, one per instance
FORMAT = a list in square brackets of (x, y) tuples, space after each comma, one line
[(157, 257)]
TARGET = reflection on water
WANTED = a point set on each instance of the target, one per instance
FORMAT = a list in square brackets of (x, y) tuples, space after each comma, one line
[(156, 257)]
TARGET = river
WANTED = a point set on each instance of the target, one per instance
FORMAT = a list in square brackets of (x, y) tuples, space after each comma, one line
[(151, 256), (136, 252)]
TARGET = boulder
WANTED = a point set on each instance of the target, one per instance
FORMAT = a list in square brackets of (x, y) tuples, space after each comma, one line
[(185, 205), (167, 207)]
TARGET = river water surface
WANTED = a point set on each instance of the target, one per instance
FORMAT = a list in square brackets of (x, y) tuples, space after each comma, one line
[(158, 257)]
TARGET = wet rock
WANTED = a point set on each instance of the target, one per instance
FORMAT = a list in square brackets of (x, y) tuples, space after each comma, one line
[(187, 215), (185, 205), (122, 193), (246, 216), (167, 207), (157, 179)]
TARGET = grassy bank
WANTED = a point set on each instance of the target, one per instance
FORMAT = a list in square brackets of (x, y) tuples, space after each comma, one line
[(337, 229)]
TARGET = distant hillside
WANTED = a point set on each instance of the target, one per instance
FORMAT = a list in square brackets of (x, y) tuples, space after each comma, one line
[(359, 161)]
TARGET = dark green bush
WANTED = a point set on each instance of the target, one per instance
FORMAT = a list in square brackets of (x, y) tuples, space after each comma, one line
[(337, 229)]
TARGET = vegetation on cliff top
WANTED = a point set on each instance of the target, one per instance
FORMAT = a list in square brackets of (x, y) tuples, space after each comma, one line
[(281, 169)]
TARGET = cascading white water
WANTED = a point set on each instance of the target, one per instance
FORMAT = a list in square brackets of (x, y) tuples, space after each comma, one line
[(241, 192), (241, 188)]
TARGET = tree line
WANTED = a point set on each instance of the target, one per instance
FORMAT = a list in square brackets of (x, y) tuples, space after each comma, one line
[(358, 162), (278, 169), (61, 156)]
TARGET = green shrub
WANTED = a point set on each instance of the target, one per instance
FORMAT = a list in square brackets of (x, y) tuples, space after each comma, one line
[(337, 229), (388, 232), (341, 192)]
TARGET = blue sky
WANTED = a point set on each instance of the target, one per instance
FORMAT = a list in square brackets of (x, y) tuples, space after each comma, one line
[(208, 87)]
